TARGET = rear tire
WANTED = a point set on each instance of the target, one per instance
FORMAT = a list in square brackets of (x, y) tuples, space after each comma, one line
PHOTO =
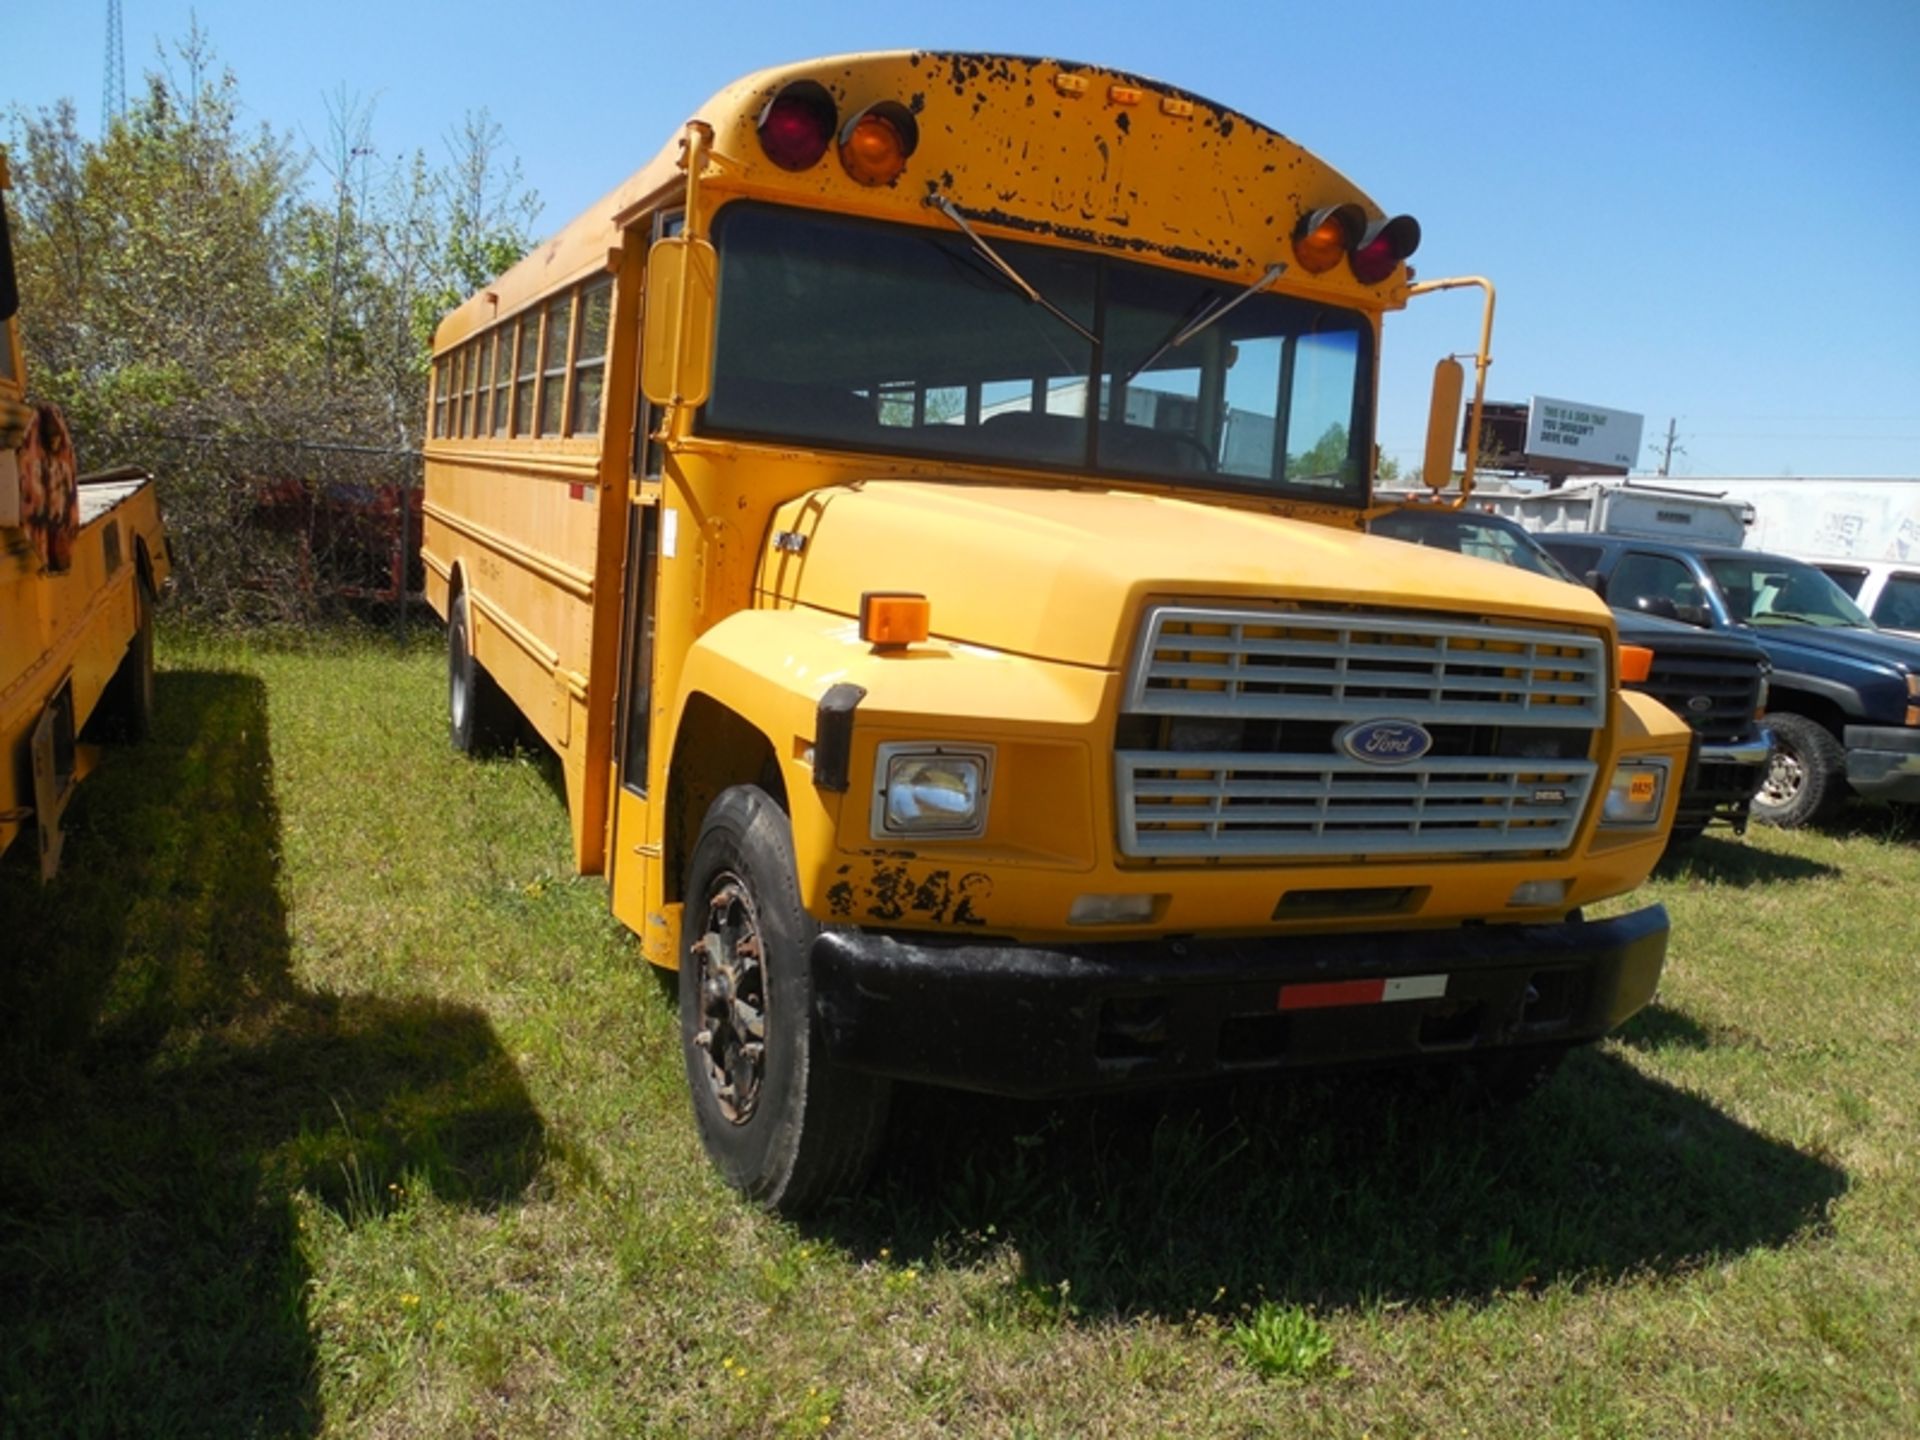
[(480, 718), (781, 1122), (1806, 780)]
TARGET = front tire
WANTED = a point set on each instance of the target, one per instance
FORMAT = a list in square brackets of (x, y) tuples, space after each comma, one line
[(781, 1122), (1806, 779)]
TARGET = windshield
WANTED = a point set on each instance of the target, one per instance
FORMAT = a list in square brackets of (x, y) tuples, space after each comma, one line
[(1766, 590), (908, 341), (1478, 536)]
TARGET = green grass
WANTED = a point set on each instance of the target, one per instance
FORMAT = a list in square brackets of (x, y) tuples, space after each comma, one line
[(336, 1104)]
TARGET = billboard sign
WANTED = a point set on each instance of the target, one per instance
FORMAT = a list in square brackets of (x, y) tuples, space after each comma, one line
[(1574, 438)]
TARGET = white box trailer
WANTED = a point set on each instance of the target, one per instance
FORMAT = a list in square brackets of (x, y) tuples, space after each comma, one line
[(1827, 517), (1655, 512)]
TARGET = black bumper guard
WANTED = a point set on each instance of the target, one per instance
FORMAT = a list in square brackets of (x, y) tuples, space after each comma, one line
[(1041, 1020)]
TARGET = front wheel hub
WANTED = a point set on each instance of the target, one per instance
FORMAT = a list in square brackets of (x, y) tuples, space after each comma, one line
[(727, 965)]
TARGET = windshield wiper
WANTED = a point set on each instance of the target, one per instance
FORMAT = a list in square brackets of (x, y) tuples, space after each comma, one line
[(1012, 276), (1215, 310)]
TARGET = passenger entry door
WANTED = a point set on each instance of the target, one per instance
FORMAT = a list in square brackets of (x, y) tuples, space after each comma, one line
[(634, 857)]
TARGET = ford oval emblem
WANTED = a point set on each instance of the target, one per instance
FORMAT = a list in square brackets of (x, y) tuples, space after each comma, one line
[(1385, 742)]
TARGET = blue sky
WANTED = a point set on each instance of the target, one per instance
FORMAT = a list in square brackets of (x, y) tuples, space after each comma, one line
[(1692, 210)]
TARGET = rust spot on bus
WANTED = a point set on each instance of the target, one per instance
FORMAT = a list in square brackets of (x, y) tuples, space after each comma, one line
[(886, 890)]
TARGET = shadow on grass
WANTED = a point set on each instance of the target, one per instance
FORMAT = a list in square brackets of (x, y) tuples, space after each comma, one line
[(1659, 1028), (1715, 861), (1331, 1191), (167, 1086)]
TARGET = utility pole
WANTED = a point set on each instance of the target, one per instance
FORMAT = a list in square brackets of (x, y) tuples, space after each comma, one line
[(1672, 448), (113, 88)]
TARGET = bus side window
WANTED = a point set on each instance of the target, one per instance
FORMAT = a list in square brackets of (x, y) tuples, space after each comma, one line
[(590, 363), (503, 376)]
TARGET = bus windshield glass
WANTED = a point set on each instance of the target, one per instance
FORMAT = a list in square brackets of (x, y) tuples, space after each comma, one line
[(907, 340)]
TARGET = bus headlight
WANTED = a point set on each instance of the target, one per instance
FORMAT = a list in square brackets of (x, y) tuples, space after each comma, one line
[(1635, 793), (935, 790)]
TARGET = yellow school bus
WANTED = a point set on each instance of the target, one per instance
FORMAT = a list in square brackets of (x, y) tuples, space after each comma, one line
[(922, 509)]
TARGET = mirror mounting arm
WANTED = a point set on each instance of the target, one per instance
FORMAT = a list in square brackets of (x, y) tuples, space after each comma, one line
[(1482, 359)]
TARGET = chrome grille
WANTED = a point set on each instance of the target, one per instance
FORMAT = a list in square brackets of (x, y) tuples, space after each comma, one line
[(1293, 676), (1197, 805), (1299, 665)]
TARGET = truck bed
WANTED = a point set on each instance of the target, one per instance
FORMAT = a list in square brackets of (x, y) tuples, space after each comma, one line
[(62, 636)]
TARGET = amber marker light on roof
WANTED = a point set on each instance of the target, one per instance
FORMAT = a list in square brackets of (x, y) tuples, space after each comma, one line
[(890, 619), (1323, 237), (1636, 664), (875, 144)]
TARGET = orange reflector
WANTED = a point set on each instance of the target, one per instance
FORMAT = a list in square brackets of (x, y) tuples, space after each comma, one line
[(1125, 94), (1642, 786), (1070, 84), (1179, 109), (891, 617), (1636, 664)]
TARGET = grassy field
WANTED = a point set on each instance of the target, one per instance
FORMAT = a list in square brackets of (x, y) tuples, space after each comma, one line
[(335, 1104)]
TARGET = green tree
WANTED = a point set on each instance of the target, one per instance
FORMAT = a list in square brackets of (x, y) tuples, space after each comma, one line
[(196, 310)]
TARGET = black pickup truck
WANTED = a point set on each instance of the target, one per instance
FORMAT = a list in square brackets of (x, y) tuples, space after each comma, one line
[(1844, 706), (1716, 683)]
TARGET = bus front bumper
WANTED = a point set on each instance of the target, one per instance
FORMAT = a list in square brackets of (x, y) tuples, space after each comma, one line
[(1051, 1020)]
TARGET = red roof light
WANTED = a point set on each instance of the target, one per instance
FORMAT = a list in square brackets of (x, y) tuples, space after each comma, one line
[(797, 125)]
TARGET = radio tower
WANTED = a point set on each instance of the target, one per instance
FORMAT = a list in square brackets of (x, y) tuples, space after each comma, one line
[(113, 92)]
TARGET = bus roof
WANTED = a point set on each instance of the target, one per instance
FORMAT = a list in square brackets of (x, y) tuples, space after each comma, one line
[(1048, 149)]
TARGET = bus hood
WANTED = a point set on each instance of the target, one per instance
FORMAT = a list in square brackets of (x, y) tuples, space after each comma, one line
[(1062, 574)]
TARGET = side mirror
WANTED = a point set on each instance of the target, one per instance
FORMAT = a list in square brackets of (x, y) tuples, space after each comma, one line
[(1697, 615), (1443, 423), (676, 359), (1656, 605), (1596, 582)]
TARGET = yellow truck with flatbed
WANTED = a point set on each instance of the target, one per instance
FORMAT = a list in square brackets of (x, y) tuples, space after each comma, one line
[(83, 559)]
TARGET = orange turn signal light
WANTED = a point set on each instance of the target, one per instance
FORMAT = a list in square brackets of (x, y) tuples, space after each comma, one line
[(1323, 237), (875, 144), (892, 618), (1636, 664)]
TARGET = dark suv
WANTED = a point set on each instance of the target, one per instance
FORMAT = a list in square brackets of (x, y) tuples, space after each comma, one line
[(1716, 683), (1845, 700)]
